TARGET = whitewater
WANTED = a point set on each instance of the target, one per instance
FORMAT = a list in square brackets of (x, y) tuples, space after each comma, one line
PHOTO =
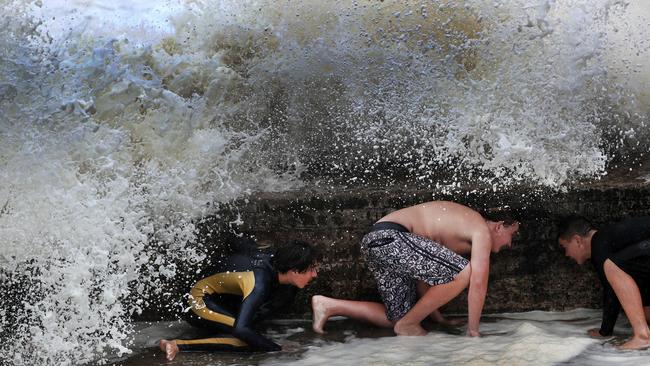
[(123, 125)]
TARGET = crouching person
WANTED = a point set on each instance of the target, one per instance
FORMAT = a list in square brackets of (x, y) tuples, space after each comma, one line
[(416, 256), (620, 253), (230, 302)]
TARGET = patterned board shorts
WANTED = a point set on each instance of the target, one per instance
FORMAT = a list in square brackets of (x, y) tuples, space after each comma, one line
[(398, 259)]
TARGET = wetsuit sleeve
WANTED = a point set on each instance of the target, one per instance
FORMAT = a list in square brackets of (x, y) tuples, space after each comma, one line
[(243, 327), (281, 298), (611, 308), (601, 250)]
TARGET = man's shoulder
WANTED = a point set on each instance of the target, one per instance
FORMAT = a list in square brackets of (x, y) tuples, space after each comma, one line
[(600, 241), (264, 272), (601, 248), (448, 207), (627, 224)]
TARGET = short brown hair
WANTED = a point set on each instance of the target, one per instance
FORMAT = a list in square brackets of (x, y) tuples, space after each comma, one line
[(571, 225), (502, 213)]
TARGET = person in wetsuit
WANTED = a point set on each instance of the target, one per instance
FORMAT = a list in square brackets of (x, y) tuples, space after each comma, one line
[(620, 253), (246, 289)]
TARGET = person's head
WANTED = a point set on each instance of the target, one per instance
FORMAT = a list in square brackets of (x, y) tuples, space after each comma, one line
[(296, 263), (503, 226), (574, 235)]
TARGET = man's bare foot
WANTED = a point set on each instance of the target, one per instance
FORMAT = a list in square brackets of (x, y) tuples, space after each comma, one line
[(169, 347), (473, 333), (320, 312), (635, 343), (409, 329), (594, 333)]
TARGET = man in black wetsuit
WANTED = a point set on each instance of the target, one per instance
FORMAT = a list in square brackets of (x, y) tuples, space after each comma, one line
[(621, 255), (249, 285)]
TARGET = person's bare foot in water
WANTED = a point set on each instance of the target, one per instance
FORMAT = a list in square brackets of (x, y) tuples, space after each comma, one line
[(635, 343), (320, 312), (169, 347), (409, 329)]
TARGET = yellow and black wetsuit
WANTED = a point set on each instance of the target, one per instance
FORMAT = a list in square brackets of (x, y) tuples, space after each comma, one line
[(253, 287)]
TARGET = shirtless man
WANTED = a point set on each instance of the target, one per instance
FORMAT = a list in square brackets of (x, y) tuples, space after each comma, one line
[(620, 253), (419, 249)]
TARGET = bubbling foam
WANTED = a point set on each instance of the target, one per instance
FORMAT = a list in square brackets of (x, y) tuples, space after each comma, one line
[(104, 173), (516, 343), (115, 143), (520, 92)]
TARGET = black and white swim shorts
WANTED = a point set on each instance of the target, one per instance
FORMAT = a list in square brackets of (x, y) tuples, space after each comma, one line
[(398, 259)]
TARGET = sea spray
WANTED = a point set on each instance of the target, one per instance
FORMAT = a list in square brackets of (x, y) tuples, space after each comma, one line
[(114, 144)]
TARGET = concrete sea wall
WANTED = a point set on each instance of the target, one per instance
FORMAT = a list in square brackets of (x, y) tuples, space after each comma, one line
[(533, 274)]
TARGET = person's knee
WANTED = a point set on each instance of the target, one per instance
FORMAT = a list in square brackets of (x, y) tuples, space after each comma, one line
[(465, 274)]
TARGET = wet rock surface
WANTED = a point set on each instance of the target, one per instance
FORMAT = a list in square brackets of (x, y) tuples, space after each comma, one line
[(532, 275)]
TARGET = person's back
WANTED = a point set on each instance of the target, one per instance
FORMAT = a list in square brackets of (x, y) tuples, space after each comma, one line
[(447, 223), (618, 236)]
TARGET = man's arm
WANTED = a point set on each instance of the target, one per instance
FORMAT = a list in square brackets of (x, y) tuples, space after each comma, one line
[(480, 262), (601, 251), (282, 297), (243, 327), (611, 308)]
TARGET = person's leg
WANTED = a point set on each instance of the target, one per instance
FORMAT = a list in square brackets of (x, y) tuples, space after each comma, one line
[(629, 295), (324, 308), (209, 314), (436, 315), (169, 347), (385, 276), (425, 260), (434, 297), (645, 299), (372, 312)]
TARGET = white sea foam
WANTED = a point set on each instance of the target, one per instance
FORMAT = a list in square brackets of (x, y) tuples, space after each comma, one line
[(517, 343), (539, 338), (120, 127), (529, 338)]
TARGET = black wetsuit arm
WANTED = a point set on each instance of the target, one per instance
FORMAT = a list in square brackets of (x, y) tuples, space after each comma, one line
[(611, 305), (281, 298), (611, 308), (243, 327), (601, 250)]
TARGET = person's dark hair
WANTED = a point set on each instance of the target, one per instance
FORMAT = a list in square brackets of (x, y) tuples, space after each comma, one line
[(503, 213), (296, 255), (571, 225)]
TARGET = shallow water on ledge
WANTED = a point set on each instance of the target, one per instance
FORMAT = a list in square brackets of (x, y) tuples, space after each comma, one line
[(531, 338)]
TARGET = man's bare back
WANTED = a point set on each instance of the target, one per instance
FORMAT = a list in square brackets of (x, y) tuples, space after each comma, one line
[(447, 223), (428, 244)]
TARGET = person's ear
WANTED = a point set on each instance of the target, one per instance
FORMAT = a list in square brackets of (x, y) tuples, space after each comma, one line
[(578, 239), (500, 225)]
